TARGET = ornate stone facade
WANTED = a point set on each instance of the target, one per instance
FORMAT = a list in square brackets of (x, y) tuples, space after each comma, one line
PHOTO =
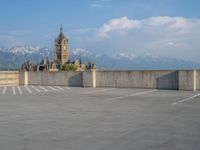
[(61, 52), (61, 59)]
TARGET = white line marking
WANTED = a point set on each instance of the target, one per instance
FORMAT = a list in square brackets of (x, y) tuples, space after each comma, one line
[(14, 92), (43, 88), (98, 91), (134, 94), (59, 88), (4, 90), (52, 88), (35, 88), (67, 88), (19, 89), (186, 99), (28, 89)]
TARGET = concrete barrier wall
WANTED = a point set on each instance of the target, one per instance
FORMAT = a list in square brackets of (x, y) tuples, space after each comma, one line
[(21, 78), (187, 80), (138, 79), (87, 79), (174, 80), (9, 77), (197, 79), (63, 78)]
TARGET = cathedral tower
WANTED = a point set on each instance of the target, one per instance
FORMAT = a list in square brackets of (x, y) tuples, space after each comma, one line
[(61, 52)]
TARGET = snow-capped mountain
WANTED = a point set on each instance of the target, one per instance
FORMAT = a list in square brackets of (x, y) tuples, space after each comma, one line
[(128, 56), (129, 61), (14, 57), (81, 52), (23, 50)]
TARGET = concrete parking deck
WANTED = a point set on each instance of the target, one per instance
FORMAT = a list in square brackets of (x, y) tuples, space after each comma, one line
[(63, 118)]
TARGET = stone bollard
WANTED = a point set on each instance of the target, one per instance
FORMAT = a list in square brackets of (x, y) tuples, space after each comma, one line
[(94, 78), (26, 78)]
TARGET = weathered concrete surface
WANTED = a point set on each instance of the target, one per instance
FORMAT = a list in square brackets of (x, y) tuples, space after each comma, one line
[(87, 79), (64, 78), (9, 77), (187, 80), (161, 79), (22, 77), (138, 79), (100, 119), (197, 79)]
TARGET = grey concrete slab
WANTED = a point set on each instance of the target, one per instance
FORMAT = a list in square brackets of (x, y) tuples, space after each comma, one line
[(27, 90), (98, 119)]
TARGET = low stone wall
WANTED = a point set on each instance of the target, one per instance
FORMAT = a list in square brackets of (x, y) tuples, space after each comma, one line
[(87, 79), (197, 79), (138, 79), (62, 78), (9, 77), (158, 79), (187, 80)]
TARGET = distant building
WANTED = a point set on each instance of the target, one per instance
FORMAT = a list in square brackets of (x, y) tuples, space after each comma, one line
[(61, 58), (79, 65), (61, 52)]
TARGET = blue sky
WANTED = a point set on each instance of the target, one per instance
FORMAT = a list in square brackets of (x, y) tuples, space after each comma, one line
[(167, 28)]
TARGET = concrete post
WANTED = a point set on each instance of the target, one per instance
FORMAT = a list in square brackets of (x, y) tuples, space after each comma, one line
[(94, 78), (187, 80), (26, 78), (194, 80)]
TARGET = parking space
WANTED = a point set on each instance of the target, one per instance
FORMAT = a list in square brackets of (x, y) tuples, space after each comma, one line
[(26, 90), (56, 117)]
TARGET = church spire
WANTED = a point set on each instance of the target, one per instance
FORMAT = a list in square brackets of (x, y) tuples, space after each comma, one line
[(61, 28)]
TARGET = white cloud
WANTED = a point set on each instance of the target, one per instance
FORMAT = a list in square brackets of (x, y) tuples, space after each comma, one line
[(120, 26), (175, 25), (96, 5), (162, 36), (170, 43), (99, 3), (153, 25), (179, 22)]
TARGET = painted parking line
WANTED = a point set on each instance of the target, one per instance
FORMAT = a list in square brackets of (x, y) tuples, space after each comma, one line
[(59, 88), (19, 89), (130, 95), (186, 99), (43, 88), (35, 88), (28, 89), (99, 91), (52, 88), (13, 89), (4, 90)]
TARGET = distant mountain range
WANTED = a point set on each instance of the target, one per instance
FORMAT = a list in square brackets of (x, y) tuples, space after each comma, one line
[(12, 59)]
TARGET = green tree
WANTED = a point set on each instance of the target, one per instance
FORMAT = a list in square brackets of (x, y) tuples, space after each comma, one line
[(68, 67)]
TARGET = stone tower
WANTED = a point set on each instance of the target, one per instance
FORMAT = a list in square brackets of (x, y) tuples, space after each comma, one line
[(61, 52)]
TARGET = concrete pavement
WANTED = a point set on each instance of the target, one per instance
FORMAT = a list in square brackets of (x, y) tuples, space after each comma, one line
[(98, 119)]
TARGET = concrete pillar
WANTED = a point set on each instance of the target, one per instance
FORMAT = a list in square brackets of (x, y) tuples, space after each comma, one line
[(187, 80), (194, 84), (26, 78), (94, 78)]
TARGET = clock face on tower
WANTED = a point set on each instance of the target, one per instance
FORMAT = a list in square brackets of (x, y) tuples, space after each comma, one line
[(64, 47)]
